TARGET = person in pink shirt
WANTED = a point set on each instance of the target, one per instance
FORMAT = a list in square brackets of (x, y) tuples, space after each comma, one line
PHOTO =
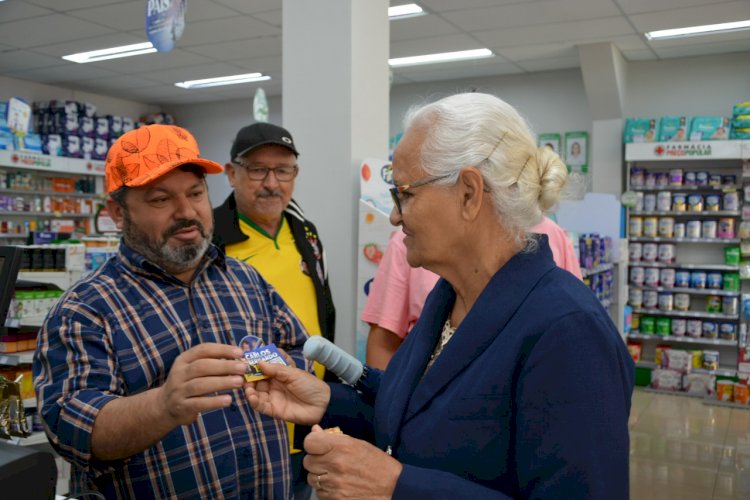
[(398, 291)]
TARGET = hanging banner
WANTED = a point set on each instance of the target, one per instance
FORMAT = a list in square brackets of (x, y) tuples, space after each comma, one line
[(165, 22), (260, 106)]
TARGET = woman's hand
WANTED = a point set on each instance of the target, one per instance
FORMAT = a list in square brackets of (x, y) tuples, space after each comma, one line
[(341, 466), (289, 394)]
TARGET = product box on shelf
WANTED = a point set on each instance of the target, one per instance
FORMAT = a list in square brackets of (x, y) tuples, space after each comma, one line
[(699, 384), (709, 128), (665, 379), (641, 130), (674, 128), (677, 360)]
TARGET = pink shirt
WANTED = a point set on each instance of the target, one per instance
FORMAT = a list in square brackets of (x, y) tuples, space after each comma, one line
[(398, 292)]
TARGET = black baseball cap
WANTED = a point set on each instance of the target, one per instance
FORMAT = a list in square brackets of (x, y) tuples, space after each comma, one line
[(261, 134)]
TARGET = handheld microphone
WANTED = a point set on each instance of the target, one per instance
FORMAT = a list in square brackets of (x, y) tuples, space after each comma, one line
[(341, 363)]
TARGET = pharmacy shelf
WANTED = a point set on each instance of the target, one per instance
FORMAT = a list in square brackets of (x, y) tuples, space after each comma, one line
[(705, 213), (727, 404), (681, 151), (35, 439), (690, 267), (684, 339), (657, 239), (596, 270), (691, 291), (62, 279), (58, 215), (688, 314), (59, 194), (672, 393), (46, 163), (725, 372), (704, 188), (16, 358), (9, 236)]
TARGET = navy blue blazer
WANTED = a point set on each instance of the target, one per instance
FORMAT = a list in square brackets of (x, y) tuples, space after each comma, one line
[(529, 399)]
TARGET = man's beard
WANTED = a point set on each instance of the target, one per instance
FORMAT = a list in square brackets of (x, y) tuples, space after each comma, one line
[(174, 260)]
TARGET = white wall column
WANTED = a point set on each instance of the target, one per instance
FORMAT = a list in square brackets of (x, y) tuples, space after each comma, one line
[(604, 73), (335, 92)]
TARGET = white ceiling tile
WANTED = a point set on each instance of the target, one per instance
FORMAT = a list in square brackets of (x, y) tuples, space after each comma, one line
[(199, 72), (224, 30), (116, 83), (241, 49), (123, 16), (704, 49), (449, 5), (251, 7), (463, 74), (66, 5), (692, 16), (13, 11), (239, 36), (550, 64), (420, 27), (62, 74), (39, 31), (572, 32), (87, 44), (449, 43), (640, 6), (544, 51), (19, 60), (478, 67), (267, 65), (204, 10), (157, 61), (718, 38), (531, 14)]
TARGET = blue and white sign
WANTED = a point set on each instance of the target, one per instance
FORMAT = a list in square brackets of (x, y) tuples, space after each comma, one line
[(165, 22)]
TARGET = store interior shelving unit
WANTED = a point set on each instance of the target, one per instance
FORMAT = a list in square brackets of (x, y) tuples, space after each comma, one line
[(601, 213), (702, 254), (39, 202), (15, 232)]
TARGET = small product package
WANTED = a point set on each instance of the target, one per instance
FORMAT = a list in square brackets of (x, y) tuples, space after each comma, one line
[(256, 353), (674, 128), (641, 130), (710, 128), (677, 360), (31, 143), (670, 380), (699, 384)]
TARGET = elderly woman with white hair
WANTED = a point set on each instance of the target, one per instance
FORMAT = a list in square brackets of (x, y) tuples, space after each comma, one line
[(514, 383)]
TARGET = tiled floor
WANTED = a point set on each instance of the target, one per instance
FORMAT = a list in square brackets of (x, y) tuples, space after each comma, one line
[(683, 449)]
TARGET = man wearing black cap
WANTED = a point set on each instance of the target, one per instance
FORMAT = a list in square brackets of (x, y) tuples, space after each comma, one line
[(260, 223)]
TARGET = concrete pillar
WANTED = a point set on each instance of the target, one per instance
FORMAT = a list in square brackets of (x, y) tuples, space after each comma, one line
[(335, 104), (604, 73)]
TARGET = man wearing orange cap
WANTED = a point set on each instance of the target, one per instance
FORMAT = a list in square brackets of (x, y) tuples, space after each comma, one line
[(138, 371)]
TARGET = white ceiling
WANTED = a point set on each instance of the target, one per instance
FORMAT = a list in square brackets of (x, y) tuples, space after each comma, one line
[(225, 37)]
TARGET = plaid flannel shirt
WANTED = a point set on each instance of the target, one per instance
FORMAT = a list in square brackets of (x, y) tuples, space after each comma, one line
[(117, 333)]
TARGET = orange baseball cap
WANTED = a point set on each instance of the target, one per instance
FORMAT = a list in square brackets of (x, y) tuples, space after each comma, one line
[(147, 153)]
